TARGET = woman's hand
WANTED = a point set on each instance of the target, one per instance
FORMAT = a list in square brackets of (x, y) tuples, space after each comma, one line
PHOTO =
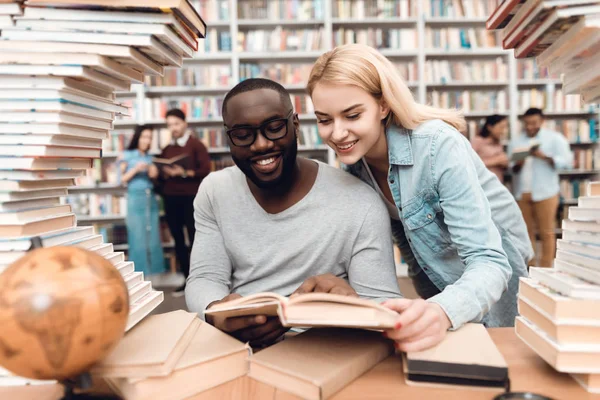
[(141, 166), (152, 171), (420, 324)]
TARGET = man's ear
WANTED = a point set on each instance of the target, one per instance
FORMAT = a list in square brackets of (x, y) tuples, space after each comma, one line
[(384, 109), (296, 124)]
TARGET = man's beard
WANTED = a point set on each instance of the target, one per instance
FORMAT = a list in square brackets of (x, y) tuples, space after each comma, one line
[(287, 169)]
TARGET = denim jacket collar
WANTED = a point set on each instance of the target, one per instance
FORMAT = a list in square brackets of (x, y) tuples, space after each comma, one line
[(399, 146)]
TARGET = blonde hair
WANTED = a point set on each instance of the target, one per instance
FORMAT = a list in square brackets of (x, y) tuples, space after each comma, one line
[(366, 68)]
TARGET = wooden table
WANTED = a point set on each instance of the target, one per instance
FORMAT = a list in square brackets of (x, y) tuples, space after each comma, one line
[(528, 372)]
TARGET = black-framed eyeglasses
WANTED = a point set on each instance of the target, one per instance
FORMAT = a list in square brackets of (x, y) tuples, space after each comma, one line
[(275, 129)]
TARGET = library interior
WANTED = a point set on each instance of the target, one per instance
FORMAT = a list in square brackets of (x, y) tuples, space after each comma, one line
[(299, 199)]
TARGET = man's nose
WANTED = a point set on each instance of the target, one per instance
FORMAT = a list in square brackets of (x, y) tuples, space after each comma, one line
[(261, 144)]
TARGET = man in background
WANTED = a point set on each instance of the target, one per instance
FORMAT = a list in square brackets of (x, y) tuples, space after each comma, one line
[(536, 181), (179, 185)]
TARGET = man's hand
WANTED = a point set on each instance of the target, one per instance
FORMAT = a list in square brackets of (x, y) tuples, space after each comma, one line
[(539, 154), (175, 170), (536, 152), (256, 329), (327, 283)]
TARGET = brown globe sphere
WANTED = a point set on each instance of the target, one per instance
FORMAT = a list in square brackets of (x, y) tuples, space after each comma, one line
[(62, 309)]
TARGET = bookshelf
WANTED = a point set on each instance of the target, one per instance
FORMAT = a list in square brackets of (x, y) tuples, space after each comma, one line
[(420, 37)]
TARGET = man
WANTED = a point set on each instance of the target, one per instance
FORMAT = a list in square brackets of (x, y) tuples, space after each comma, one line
[(179, 185), (536, 181), (273, 221)]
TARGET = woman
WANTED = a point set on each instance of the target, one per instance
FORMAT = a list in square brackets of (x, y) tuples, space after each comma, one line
[(458, 228), (143, 229), (488, 144)]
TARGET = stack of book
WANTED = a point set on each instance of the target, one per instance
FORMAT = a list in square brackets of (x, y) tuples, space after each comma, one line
[(60, 65), (560, 307), (8, 10), (563, 35), (172, 356)]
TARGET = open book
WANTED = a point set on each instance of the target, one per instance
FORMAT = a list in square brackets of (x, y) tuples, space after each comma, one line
[(310, 310), (168, 161), (521, 153)]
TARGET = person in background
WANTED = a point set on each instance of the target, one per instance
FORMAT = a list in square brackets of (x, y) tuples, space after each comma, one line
[(179, 184), (536, 182), (143, 232), (488, 144)]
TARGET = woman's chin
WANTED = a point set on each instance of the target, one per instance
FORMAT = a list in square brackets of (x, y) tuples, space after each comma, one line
[(349, 158)]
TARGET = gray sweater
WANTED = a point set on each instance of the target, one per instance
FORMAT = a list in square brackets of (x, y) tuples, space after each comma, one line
[(341, 227)]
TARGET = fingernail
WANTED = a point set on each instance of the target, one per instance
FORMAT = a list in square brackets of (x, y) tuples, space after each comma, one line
[(260, 319), (398, 325)]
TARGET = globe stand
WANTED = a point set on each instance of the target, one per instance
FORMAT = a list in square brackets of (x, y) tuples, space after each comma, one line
[(82, 382), (36, 243)]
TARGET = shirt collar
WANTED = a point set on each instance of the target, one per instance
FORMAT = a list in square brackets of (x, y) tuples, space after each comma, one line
[(399, 146), (182, 140)]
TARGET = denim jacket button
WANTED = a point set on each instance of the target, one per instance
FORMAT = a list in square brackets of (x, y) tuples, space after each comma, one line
[(429, 216), (392, 181)]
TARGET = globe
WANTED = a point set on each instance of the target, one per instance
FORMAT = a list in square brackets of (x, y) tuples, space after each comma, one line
[(62, 309)]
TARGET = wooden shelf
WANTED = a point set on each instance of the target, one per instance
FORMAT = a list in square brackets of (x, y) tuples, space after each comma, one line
[(211, 150), (466, 53), (408, 22), (219, 24), (183, 90), (483, 114), (100, 219), (445, 21), (470, 85), (567, 114), (125, 246), (575, 172), (538, 82), (191, 90), (209, 57), (399, 53), (101, 187), (570, 202), (281, 55), (260, 23)]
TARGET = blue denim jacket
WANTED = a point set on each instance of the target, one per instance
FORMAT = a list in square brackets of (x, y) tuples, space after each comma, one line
[(545, 182), (458, 224)]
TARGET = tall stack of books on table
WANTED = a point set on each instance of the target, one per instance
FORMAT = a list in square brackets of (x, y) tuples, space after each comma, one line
[(560, 307), (60, 65), (563, 35)]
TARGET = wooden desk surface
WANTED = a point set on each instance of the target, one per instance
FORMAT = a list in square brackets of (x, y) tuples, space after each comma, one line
[(527, 371)]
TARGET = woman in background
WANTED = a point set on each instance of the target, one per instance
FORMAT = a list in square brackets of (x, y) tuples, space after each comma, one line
[(488, 144), (143, 228)]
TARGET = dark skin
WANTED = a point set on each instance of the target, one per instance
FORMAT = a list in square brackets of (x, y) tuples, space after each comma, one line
[(275, 191), (533, 123)]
